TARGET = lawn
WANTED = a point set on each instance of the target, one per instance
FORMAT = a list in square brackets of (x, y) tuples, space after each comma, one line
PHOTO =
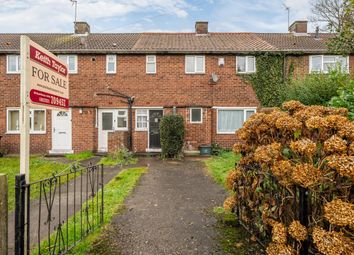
[(219, 166), (80, 156), (39, 169), (115, 193)]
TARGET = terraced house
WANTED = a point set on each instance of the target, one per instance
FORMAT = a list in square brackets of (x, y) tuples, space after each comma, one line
[(122, 84)]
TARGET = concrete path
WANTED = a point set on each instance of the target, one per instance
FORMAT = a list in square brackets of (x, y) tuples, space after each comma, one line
[(74, 202), (170, 212)]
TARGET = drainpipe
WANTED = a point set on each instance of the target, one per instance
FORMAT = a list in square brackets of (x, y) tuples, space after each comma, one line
[(130, 109)]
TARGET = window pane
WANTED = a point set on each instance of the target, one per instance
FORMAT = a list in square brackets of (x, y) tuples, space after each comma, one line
[(107, 121), (241, 64), (229, 120), (343, 63), (249, 114), (111, 67), (151, 58), (63, 58), (196, 115), (190, 64), (122, 113), (329, 59), (150, 68), (251, 64), (14, 120), (316, 63), (72, 64), (39, 121), (200, 64), (121, 122), (142, 121), (142, 112), (12, 65), (328, 66)]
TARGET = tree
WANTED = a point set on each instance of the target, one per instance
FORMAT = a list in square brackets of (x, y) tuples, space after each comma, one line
[(330, 12)]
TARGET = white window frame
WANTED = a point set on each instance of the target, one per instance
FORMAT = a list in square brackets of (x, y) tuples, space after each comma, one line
[(116, 120), (32, 131), (254, 109), (114, 62), (322, 63), (18, 69), (67, 62), (246, 64), (136, 120), (151, 62), (195, 64), (201, 115)]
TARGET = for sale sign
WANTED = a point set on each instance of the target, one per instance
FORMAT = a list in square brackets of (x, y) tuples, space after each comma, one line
[(47, 77)]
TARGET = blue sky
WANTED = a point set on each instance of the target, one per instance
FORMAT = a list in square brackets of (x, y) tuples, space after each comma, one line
[(106, 16)]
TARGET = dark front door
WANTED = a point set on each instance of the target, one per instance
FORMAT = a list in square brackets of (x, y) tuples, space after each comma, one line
[(154, 128)]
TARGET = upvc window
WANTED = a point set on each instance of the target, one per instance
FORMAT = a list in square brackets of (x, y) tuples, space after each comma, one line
[(230, 120), (141, 119), (107, 121), (246, 64), (196, 115), (111, 64), (195, 64), (71, 61), (37, 121), (150, 64), (122, 119), (325, 63), (13, 64)]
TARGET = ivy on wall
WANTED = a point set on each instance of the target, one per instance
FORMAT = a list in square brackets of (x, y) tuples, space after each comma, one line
[(269, 79)]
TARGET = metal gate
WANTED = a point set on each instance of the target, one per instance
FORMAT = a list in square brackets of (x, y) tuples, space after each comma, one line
[(69, 207)]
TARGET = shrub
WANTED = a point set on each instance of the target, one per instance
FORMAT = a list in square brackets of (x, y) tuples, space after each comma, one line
[(316, 88), (345, 98), (120, 156), (172, 135), (303, 148)]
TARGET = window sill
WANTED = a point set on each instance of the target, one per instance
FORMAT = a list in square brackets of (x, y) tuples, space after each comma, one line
[(225, 133), (13, 72), (195, 122), (245, 72), (141, 130), (196, 73), (31, 133)]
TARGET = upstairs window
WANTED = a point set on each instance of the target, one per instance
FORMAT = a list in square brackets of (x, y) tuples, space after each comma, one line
[(111, 64), (37, 121), (196, 115), (195, 64), (13, 64), (71, 61), (246, 64), (325, 63), (151, 64), (141, 119)]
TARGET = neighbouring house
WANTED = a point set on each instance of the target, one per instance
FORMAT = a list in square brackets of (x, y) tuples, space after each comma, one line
[(194, 74)]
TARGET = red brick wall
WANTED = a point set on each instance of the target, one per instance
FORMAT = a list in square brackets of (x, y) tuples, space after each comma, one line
[(117, 140), (169, 87)]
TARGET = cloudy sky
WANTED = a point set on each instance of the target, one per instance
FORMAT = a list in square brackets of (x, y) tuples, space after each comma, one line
[(105, 16)]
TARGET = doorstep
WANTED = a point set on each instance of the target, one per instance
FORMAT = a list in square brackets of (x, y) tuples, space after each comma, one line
[(54, 153), (153, 150)]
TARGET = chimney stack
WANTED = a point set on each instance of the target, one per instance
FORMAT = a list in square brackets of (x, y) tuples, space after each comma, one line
[(201, 27), (299, 26), (81, 28)]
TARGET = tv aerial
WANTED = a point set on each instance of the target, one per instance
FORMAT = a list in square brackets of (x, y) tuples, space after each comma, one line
[(74, 4), (287, 8)]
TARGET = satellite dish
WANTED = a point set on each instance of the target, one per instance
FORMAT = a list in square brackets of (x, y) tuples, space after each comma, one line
[(214, 77)]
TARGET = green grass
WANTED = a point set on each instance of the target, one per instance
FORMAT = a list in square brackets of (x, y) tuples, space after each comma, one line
[(219, 166), (80, 156), (39, 169), (111, 161), (115, 193)]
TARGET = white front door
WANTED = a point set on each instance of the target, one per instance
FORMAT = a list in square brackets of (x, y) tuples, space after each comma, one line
[(61, 132), (105, 125)]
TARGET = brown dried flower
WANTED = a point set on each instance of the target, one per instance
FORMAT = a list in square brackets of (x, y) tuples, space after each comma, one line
[(316, 122), (288, 123), (283, 170), (308, 112), (293, 106), (344, 165), (278, 233), (336, 121), (337, 111), (306, 175), (331, 242), (279, 249), (336, 145), (351, 149), (267, 153), (347, 131), (230, 203), (339, 213), (297, 231), (305, 147), (232, 177)]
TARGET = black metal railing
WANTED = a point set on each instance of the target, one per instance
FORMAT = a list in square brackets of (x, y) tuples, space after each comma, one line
[(69, 207)]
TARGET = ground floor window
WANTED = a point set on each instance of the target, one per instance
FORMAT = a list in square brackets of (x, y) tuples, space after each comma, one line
[(122, 119), (141, 119), (196, 115), (37, 121), (229, 120)]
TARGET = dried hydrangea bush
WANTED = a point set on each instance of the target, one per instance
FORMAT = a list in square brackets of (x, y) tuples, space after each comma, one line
[(294, 148)]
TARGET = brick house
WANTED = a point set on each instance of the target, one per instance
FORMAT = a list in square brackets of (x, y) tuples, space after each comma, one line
[(192, 74)]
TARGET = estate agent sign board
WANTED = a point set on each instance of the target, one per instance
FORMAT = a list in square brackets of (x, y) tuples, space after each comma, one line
[(44, 84)]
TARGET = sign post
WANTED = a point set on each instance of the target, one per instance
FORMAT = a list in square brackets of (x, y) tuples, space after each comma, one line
[(45, 84)]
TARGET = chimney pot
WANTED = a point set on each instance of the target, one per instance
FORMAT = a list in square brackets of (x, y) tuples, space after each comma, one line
[(299, 26), (81, 27), (201, 27)]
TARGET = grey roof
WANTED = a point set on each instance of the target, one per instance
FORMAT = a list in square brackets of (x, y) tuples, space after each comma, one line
[(135, 43)]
